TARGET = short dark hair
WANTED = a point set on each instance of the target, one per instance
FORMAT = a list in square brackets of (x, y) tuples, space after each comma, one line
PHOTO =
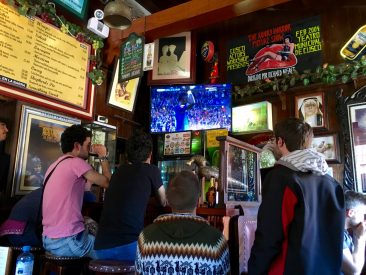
[(139, 147), (183, 191), (354, 199), (295, 132), (72, 134)]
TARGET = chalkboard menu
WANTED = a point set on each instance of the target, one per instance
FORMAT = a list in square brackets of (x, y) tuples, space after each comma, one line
[(131, 57), (41, 59)]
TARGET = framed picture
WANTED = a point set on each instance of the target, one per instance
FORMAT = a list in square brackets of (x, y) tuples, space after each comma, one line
[(252, 118), (174, 60), (327, 145), (311, 108), (38, 129), (123, 95), (178, 143)]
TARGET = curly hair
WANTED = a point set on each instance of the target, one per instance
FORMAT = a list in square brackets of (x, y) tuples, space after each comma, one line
[(139, 147), (72, 134)]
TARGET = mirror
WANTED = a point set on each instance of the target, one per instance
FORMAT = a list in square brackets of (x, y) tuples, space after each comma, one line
[(352, 113)]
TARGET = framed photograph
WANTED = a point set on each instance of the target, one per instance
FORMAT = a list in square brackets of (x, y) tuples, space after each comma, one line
[(38, 129), (328, 145), (311, 108), (239, 171), (123, 95), (174, 60), (252, 118)]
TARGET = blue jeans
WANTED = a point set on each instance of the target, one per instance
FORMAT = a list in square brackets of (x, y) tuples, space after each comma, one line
[(79, 245), (125, 252)]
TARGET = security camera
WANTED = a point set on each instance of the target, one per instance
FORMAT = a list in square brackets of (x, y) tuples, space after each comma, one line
[(96, 26)]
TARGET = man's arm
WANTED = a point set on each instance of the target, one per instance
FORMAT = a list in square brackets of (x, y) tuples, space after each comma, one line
[(190, 98), (92, 175), (162, 196), (353, 263)]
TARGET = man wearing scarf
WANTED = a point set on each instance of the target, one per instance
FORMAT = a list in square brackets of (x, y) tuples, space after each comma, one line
[(301, 217)]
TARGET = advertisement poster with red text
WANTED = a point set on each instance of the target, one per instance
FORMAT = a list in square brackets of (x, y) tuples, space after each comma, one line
[(275, 51)]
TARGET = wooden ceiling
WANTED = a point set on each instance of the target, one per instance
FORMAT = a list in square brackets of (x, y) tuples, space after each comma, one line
[(154, 6)]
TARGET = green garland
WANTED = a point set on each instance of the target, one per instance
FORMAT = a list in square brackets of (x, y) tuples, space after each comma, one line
[(327, 74), (47, 12)]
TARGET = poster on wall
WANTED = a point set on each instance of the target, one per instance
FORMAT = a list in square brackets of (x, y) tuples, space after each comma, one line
[(38, 129), (131, 58), (178, 143), (274, 52)]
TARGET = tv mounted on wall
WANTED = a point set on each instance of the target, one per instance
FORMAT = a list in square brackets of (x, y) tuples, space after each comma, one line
[(190, 107)]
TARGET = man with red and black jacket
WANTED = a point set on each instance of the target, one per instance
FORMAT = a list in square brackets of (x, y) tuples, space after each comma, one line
[(301, 217)]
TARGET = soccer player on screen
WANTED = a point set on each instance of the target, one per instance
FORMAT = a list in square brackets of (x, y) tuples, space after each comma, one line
[(185, 102)]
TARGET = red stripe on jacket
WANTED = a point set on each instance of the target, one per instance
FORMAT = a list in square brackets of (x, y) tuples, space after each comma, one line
[(288, 211)]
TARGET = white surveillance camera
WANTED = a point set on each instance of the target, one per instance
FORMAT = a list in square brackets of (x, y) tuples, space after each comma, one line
[(97, 27)]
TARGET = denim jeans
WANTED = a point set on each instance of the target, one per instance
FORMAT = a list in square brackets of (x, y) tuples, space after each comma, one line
[(125, 252), (79, 245)]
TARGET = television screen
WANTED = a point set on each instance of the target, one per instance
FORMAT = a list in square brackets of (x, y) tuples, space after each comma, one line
[(78, 8), (252, 118), (190, 107)]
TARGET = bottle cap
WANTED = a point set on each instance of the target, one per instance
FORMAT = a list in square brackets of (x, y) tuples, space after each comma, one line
[(26, 248)]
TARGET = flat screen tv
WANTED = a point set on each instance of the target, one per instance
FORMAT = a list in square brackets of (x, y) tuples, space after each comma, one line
[(190, 107)]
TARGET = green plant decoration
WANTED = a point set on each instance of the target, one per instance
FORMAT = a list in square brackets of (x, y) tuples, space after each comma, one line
[(46, 11), (327, 74)]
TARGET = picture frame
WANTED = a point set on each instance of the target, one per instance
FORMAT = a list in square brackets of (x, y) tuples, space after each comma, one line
[(252, 118), (38, 129), (312, 109), (123, 95), (351, 111), (179, 66), (239, 172), (328, 145), (177, 144)]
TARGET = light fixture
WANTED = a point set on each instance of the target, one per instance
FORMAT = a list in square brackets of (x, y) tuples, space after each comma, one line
[(117, 15)]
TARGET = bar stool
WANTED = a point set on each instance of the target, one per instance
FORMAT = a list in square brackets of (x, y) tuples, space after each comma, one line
[(37, 252), (64, 265), (103, 267)]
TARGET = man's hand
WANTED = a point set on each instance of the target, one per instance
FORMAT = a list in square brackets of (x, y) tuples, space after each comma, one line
[(359, 231), (100, 150)]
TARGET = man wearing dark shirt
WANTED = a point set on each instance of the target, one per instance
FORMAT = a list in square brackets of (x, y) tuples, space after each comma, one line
[(126, 200)]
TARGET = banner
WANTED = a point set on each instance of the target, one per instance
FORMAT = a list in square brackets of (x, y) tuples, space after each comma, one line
[(274, 52)]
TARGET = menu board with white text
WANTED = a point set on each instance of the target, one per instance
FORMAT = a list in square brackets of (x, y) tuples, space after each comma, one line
[(40, 58)]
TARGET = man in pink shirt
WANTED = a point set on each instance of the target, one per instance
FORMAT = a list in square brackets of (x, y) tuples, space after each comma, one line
[(64, 232)]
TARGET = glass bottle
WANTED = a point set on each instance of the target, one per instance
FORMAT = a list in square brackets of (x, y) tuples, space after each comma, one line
[(211, 194)]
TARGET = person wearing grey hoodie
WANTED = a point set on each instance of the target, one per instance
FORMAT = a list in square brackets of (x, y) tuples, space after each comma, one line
[(301, 217)]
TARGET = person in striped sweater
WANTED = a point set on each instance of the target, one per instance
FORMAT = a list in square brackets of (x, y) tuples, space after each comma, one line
[(181, 242)]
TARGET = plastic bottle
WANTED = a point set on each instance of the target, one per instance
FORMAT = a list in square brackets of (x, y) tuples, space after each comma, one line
[(25, 262)]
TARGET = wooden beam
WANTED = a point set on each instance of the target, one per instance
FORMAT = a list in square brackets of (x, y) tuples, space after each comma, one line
[(191, 15)]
